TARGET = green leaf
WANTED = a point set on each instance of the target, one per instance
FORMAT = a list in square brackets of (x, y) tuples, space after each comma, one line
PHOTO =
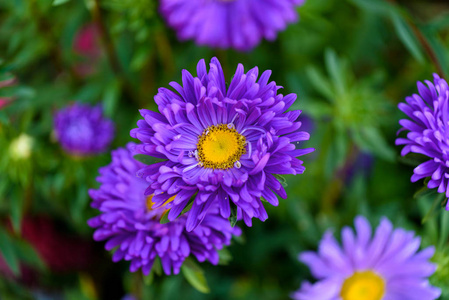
[(233, 217), (157, 267), (165, 219), (406, 35), (373, 6), (225, 256), (444, 225), (281, 179), (148, 280), (111, 98), (371, 139), (9, 253), (320, 83), (59, 2), (336, 69), (28, 255), (146, 159), (195, 276)]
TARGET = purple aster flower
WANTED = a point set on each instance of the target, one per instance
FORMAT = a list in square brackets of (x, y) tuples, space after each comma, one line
[(220, 144), (385, 266), (238, 24), (82, 130), (130, 224), (428, 127)]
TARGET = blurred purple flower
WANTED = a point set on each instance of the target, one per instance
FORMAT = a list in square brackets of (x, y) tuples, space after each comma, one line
[(220, 143), (129, 222), (384, 266), (361, 166), (238, 24), (82, 130), (428, 127)]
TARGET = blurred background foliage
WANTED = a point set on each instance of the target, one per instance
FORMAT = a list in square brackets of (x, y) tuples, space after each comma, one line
[(349, 61)]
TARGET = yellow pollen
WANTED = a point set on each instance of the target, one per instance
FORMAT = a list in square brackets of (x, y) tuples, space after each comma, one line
[(365, 285), (220, 147)]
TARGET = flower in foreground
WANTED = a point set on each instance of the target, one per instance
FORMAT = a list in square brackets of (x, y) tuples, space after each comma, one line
[(220, 144), (428, 132), (384, 266), (130, 224), (82, 130), (238, 24)]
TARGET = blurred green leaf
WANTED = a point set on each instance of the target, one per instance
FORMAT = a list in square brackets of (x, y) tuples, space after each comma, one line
[(195, 276), (371, 139), (8, 251), (233, 217), (407, 36), (146, 159), (59, 2), (444, 228)]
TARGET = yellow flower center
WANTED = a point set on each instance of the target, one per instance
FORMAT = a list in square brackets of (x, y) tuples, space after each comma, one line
[(220, 147), (365, 285)]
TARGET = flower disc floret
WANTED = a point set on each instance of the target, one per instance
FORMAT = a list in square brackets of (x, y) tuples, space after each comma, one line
[(220, 147), (220, 144)]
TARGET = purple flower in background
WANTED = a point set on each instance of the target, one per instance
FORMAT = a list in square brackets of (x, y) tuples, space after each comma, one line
[(428, 127), (82, 130), (384, 266), (220, 144), (238, 24), (129, 222)]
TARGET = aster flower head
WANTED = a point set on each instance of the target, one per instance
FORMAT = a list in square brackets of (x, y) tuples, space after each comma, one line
[(238, 24), (428, 132), (220, 144), (129, 222), (82, 129), (385, 266)]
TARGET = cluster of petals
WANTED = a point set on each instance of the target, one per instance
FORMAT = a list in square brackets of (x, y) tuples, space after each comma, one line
[(427, 129), (250, 105), (132, 228), (237, 24), (82, 129), (391, 254)]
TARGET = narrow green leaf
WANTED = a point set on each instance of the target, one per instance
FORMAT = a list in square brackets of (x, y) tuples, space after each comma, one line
[(165, 219), (233, 217), (157, 267), (8, 252), (281, 179), (59, 2), (372, 139), (431, 211), (225, 256), (444, 225), (146, 159), (195, 276), (406, 35), (320, 83), (27, 254), (111, 98), (336, 69), (148, 280)]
